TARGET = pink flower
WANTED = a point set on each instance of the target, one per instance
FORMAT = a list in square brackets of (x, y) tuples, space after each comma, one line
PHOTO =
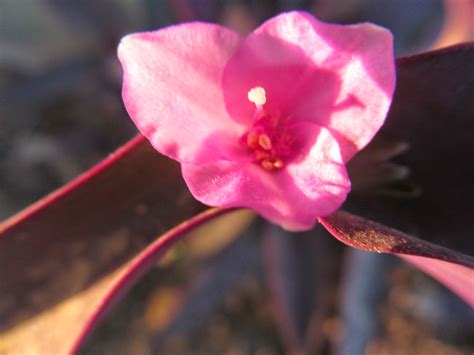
[(265, 121)]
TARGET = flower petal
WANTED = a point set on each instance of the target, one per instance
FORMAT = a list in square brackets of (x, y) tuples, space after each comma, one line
[(172, 89), (313, 184), (341, 77)]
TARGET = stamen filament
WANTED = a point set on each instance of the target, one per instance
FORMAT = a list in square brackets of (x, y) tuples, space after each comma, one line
[(257, 96), (265, 138)]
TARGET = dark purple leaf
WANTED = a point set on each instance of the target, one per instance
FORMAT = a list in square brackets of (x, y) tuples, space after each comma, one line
[(366, 235), (457, 278), (440, 262), (301, 271), (129, 273), (219, 276), (432, 112), (65, 258), (365, 282)]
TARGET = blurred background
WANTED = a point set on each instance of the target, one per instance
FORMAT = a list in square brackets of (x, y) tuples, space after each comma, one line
[(61, 112)]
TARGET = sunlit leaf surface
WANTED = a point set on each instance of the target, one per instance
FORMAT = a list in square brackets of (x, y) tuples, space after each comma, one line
[(60, 257)]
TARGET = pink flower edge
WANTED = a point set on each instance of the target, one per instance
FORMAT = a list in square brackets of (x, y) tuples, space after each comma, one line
[(265, 121)]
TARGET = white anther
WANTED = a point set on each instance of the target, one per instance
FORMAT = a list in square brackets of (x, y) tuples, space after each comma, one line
[(257, 96)]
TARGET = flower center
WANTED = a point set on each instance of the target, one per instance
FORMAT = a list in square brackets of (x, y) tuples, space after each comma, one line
[(268, 139)]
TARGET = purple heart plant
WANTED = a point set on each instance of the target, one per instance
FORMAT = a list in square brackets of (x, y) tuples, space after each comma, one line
[(284, 122)]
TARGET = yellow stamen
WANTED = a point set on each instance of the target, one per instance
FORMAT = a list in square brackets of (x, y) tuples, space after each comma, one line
[(252, 139), (264, 141), (267, 165), (278, 164), (257, 96), (261, 155)]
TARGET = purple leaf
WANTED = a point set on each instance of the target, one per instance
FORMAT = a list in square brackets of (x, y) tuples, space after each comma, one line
[(457, 278), (366, 235), (301, 271), (432, 113), (220, 275), (364, 287), (129, 273), (65, 258)]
